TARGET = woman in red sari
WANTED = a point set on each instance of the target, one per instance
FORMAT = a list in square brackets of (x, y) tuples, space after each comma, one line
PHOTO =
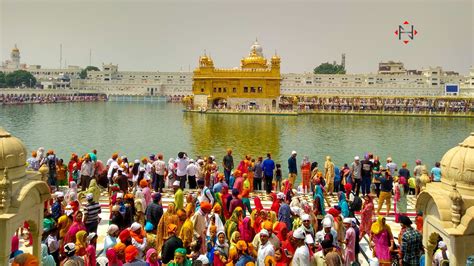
[(306, 173), (276, 203), (288, 247), (281, 231)]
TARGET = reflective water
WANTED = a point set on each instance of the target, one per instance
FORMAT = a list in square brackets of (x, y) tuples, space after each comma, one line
[(138, 129)]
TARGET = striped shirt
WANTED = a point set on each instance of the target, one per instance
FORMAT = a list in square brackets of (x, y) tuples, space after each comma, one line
[(92, 210)]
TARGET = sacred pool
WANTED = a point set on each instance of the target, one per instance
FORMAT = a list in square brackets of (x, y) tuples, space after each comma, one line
[(139, 129)]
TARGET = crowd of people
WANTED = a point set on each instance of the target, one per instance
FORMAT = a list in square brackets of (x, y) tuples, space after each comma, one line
[(401, 104), (213, 222), (48, 98)]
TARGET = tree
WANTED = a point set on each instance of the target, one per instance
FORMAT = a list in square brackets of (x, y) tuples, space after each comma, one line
[(20, 78), (327, 68), (83, 73), (2, 80)]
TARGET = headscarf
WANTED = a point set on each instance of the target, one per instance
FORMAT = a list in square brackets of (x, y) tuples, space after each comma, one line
[(131, 253), (233, 241), (319, 194), (378, 227), (81, 239), (148, 256), (47, 259), (280, 230), (343, 204), (112, 257), (258, 203), (77, 225), (246, 231), (94, 189)]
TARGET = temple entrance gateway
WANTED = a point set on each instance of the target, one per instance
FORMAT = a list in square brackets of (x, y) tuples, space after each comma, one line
[(22, 195)]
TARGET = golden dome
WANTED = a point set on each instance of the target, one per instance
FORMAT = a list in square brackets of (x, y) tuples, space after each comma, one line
[(254, 60), (15, 49), (12, 151), (206, 61), (457, 165)]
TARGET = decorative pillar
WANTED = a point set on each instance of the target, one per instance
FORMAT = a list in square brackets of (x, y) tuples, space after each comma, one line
[(456, 207), (6, 237), (34, 230), (430, 248)]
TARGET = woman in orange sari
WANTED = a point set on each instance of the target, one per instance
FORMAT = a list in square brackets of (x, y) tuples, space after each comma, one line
[(306, 173), (169, 217)]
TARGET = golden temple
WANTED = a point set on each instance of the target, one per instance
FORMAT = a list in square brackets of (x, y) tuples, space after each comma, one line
[(255, 83)]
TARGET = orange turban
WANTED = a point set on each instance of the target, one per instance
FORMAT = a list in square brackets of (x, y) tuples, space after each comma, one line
[(206, 206), (172, 228), (267, 225), (131, 253), (241, 245), (143, 183), (115, 156), (25, 259), (119, 247), (124, 235)]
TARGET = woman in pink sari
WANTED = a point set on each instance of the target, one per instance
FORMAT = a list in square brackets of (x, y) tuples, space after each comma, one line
[(77, 225), (367, 213), (246, 231), (381, 239)]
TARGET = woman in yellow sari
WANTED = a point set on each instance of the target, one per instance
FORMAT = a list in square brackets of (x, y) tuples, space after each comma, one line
[(94, 189), (81, 243), (232, 224), (233, 254), (169, 217)]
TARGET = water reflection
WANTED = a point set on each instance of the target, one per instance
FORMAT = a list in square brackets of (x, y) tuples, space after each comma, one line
[(252, 135)]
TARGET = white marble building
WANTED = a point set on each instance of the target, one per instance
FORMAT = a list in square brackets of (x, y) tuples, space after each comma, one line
[(392, 79)]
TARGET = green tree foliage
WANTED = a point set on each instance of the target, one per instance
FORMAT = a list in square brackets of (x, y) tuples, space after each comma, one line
[(2, 80), (327, 68), (20, 78), (83, 73)]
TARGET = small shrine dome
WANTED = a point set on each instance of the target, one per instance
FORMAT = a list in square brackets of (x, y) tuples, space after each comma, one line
[(12, 151), (457, 165)]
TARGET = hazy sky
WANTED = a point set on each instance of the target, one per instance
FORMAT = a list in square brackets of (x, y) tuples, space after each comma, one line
[(170, 35)]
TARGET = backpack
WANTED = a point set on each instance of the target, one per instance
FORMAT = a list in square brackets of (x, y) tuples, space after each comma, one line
[(52, 163), (356, 204)]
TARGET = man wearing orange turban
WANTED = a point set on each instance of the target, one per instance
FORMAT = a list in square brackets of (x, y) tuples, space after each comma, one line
[(200, 221), (267, 225), (131, 253), (171, 244)]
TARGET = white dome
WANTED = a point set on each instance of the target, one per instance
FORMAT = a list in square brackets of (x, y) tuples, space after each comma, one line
[(257, 47)]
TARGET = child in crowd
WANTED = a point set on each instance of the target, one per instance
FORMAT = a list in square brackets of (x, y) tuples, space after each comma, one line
[(278, 176), (411, 185)]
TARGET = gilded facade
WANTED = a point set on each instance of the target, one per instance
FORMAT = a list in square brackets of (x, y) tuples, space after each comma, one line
[(256, 82)]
